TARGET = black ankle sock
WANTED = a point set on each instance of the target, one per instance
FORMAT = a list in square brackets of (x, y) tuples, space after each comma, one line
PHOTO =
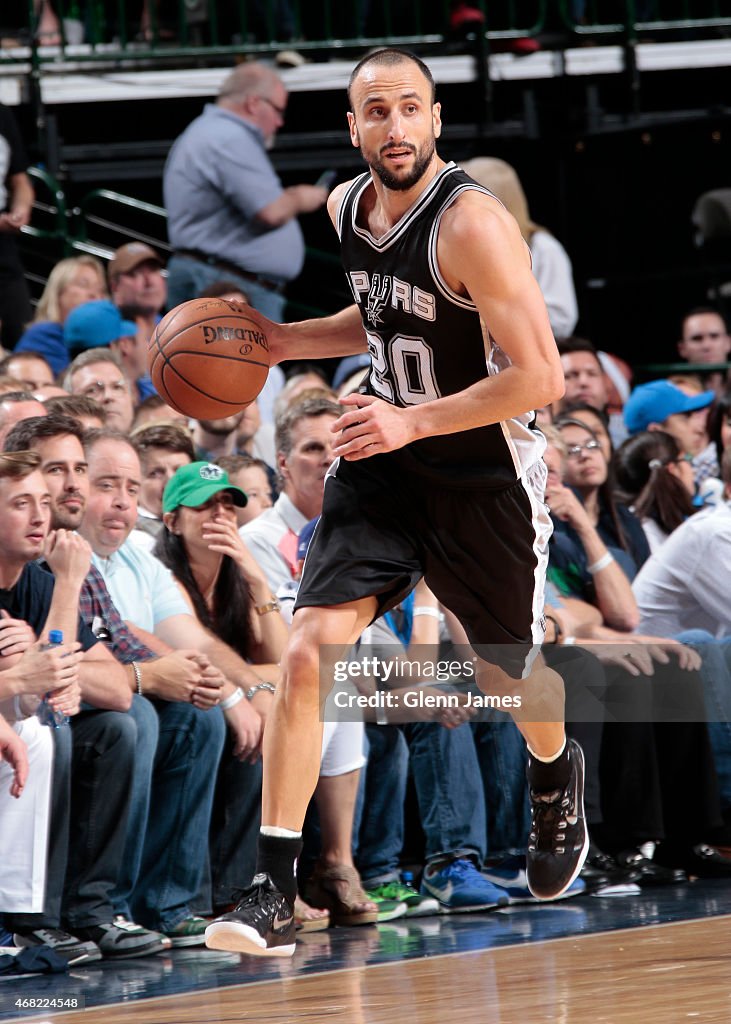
[(544, 778), (277, 856)]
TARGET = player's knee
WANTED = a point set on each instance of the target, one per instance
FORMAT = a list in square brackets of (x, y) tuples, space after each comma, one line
[(301, 664)]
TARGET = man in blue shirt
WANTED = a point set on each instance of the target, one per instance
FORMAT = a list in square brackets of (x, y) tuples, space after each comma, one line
[(228, 212)]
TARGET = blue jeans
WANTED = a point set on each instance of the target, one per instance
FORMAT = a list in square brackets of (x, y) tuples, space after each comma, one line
[(501, 753), (187, 277), (172, 849), (148, 730), (448, 790), (716, 675), (103, 769), (379, 813), (234, 827)]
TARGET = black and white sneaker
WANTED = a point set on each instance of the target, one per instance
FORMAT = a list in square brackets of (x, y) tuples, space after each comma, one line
[(559, 841), (73, 949), (262, 924), (121, 939)]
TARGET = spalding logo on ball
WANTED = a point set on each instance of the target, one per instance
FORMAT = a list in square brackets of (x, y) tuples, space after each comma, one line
[(209, 358)]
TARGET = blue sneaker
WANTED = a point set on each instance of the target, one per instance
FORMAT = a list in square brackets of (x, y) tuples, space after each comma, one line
[(461, 888), (510, 874)]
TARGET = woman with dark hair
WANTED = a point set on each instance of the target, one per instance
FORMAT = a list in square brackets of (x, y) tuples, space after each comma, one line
[(656, 481), (597, 545), (597, 420)]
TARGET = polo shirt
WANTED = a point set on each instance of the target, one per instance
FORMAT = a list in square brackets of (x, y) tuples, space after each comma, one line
[(142, 588), (217, 178)]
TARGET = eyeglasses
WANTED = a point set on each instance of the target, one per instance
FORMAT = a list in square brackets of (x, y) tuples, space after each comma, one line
[(100, 387), (280, 110), (576, 449), (685, 457)]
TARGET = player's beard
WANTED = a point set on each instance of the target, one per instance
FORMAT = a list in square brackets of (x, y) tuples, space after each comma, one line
[(422, 159)]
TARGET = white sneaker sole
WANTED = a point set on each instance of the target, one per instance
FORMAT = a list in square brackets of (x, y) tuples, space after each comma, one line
[(426, 909), (240, 938)]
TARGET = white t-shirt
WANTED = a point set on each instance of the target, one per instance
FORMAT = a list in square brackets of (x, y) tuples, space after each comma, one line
[(686, 583)]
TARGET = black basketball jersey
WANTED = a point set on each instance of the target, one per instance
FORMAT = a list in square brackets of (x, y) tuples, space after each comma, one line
[(425, 340)]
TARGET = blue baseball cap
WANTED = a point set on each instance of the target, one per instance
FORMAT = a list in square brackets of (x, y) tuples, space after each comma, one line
[(654, 402), (95, 325)]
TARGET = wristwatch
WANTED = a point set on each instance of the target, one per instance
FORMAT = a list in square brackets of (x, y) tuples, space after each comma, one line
[(271, 606), (253, 690)]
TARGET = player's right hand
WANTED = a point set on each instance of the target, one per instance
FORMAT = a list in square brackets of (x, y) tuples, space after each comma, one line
[(371, 428)]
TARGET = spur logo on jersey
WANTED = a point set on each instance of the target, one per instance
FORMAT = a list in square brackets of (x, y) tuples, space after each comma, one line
[(382, 291), (378, 295)]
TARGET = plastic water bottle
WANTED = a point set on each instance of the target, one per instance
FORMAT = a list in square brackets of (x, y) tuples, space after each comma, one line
[(46, 714), (407, 877)]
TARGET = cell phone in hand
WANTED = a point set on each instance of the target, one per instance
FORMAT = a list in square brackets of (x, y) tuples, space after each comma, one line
[(327, 179)]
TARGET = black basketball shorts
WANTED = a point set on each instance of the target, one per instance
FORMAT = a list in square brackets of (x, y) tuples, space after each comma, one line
[(483, 552)]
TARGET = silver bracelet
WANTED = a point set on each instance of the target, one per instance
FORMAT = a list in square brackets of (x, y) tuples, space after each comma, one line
[(232, 700), (253, 690), (601, 563), (138, 676)]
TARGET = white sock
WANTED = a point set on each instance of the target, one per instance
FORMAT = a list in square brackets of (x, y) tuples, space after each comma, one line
[(544, 760), (282, 833)]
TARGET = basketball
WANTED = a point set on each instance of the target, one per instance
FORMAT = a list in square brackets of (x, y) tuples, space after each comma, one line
[(209, 358)]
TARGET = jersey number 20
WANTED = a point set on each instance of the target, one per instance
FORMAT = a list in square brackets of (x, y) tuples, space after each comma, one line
[(406, 362)]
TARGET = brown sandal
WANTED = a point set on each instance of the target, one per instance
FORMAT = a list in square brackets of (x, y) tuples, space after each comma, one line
[(338, 889), (309, 919)]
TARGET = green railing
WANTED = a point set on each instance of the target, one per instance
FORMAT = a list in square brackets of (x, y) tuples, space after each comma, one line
[(50, 213), (104, 220), (102, 31), (95, 31), (630, 17)]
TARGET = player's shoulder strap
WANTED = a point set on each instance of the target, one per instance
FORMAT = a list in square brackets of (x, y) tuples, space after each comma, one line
[(346, 203)]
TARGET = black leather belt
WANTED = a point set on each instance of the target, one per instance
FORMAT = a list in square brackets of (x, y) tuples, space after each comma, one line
[(231, 268)]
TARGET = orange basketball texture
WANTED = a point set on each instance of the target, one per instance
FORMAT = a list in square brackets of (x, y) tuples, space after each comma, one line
[(209, 358)]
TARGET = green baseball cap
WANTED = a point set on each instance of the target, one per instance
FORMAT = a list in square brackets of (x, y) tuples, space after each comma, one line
[(195, 483)]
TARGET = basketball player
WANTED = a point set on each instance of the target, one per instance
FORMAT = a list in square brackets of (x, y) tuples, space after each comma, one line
[(438, 473)]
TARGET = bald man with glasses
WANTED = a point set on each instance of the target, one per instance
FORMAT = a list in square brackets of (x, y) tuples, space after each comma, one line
[(228, 214)]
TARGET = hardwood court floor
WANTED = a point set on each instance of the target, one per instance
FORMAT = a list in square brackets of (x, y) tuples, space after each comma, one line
[(669, 963)]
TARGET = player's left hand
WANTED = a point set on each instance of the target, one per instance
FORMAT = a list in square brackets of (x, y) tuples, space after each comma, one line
[(371, 428)]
